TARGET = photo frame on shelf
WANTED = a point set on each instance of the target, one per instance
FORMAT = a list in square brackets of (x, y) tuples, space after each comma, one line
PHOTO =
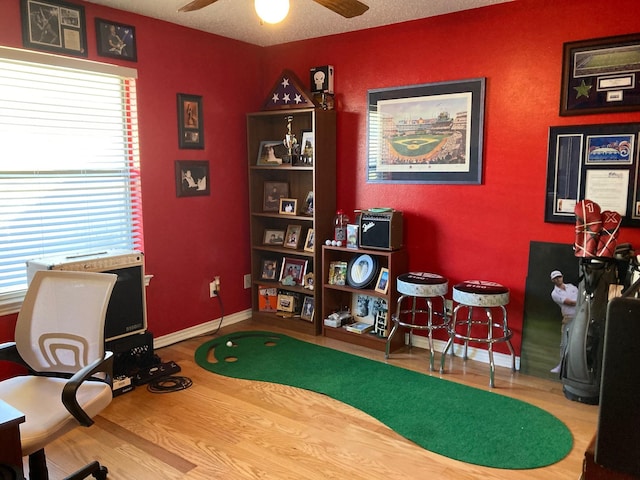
[(337, 273), (365, 308), (307, 208), (292, 237), (382, 285), (600, 75), (273, 237), (269, 269), (596, 162), (429, 133), (309, 281), (116, 40), (288, 206), (267, 298), (309, 243), (293, 271), (271, 152), (273, 192), (190, 121), (192, 178), (54, 26), (362, 271), (308, 309), (307, 147)]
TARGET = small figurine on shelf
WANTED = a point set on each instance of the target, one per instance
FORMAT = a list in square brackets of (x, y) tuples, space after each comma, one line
[(291, 142)]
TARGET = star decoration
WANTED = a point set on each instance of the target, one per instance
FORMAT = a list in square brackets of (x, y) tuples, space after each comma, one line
[(286, 98), (297, 98), (285, 82), (583, 89), (275, 98)]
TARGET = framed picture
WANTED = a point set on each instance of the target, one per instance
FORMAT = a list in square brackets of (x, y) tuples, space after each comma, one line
[(292, 237), (269, 269), (273, 237), (273, 192), (308, 309), (596, 162), (292, 271), (309, 281), (286, 303), (267, 297), (190, 121), (337, 273), (352, 235), (362, 271), (307, 209), (116, 40), (382, 285), (365, 308), (430, 133), (309, 243), (271, 152), (288, 206), (192, 178), (600, 75), (307, 147), (54, 26)]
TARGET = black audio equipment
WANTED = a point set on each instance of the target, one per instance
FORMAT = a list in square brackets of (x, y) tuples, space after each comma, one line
[(380, 230), (618, 434), (132, 353), (126, 313)]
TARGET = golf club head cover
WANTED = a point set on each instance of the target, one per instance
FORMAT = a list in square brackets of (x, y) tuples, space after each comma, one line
[(609, 234), (588, 226)]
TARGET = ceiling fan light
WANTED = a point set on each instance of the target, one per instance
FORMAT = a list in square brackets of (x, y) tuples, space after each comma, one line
[(272, 11)]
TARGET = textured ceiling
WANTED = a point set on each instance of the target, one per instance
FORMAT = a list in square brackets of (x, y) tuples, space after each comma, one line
[(307, 19)]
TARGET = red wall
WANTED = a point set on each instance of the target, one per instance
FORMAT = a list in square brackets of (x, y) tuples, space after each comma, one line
[(462, 232)]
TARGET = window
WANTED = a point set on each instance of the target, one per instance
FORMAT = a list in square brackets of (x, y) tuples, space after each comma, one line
[(69, 162)]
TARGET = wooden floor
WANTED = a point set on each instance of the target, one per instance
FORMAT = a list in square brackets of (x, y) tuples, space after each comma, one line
[(224, 428)]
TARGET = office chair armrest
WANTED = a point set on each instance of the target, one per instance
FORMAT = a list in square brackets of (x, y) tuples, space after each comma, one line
[(9, 353), (102, 365)]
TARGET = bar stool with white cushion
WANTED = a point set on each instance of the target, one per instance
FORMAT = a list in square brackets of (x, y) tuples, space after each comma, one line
[(417, 290), (489, 296)]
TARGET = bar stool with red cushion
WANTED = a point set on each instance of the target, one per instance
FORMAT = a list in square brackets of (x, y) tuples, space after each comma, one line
[(417, 290), (489, 296)]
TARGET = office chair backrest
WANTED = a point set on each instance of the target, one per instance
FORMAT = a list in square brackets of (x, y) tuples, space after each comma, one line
[(60, 328)]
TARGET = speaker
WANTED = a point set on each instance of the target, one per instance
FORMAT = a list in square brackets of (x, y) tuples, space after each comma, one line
[(618, 434), (380, 230), (132, 353)]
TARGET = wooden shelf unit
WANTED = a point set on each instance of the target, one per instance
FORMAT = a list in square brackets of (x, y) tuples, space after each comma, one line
[(337, 296), (319, 177)]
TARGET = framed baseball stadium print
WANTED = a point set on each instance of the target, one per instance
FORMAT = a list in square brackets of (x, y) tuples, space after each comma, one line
[(429, 133), (601, 75)]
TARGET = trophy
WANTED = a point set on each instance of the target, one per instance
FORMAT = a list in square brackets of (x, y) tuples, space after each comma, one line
[(290, 141)]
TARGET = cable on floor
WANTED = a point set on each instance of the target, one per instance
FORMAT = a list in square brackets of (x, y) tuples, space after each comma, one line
[(172, 383)]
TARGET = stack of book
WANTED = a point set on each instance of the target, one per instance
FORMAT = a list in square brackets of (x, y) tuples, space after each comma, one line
[(359, 327)]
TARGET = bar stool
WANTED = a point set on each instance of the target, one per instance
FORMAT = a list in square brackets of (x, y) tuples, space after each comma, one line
[(413, 287), (488, 296)]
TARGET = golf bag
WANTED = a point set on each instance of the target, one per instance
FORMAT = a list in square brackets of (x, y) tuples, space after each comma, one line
[(581, 365)]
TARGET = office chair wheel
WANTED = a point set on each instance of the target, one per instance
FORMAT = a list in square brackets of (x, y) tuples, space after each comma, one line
[(101, 474)]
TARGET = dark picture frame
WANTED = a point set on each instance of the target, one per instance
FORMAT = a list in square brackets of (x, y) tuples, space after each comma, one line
[(192, 178), (308, 309), (54, 26), (273, 237), (116, 40), (429, 133), (190, 121), (600, 75), (273, 192), (269, 269), (596, 162)]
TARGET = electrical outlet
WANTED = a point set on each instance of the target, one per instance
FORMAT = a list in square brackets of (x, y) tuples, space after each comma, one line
[(448, 305), (247, 280), (213, 289)]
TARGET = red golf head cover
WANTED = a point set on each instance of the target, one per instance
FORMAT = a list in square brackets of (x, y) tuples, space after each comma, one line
[(609, 234), (588, 226)]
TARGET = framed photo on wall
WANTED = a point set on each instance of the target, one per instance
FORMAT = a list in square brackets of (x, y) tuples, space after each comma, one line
[(54, 26), (601, 75), (116, 40), (190, 124), (192, 178), (430, 133)]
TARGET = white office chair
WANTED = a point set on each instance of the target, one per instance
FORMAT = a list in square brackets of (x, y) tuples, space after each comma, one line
[(59, 338)]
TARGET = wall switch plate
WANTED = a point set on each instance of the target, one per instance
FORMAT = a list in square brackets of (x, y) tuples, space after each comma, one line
[(247, 280)]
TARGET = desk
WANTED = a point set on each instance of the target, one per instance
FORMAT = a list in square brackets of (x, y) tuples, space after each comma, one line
[(11, 452)]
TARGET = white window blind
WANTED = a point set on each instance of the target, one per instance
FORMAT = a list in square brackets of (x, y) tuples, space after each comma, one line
[(69, 163)]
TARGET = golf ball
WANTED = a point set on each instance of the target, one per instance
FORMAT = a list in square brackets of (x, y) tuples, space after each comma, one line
[(229, 343)]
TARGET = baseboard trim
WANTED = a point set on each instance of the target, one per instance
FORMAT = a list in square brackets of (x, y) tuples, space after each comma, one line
[(202, 329), (473, 353)]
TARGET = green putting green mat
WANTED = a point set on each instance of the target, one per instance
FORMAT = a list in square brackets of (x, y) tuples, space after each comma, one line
[(467, 424)]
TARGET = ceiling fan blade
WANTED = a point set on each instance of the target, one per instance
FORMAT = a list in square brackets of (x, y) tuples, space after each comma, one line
[(196, 5), (346, 8)]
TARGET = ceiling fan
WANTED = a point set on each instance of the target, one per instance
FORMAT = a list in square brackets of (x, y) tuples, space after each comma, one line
[(346, 8)]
